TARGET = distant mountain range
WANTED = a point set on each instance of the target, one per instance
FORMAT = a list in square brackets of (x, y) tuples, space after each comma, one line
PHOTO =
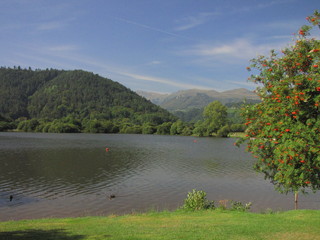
[(196, 98)]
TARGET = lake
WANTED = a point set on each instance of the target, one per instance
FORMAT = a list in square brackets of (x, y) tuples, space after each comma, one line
[(70, 175)]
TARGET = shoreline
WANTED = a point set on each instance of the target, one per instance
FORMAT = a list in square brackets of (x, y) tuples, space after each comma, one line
[(134, 212)]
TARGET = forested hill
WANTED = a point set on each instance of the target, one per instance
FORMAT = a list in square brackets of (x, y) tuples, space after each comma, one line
[(16, 86), (77, 97)]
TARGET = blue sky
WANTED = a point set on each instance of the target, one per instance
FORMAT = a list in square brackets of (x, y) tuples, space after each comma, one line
[(150, 45)]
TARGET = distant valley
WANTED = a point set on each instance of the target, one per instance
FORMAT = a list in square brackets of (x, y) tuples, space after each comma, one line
[(195, 98)]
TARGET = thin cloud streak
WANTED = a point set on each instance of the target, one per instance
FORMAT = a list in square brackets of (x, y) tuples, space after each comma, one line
[(245, 84), (262, 5), (50, 26), (155, 62), (193, 21), (242, 49), (65, 54), (42, 60), (161, 80), (62, 48), (150, 28), (291, 25)]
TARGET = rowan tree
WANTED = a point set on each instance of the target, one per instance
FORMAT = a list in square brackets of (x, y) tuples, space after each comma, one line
[(283, 130)]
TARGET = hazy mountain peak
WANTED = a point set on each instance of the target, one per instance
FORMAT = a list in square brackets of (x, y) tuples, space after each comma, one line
[(197, 98)]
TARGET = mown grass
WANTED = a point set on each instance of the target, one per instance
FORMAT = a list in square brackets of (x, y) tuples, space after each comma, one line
[(300, 224)]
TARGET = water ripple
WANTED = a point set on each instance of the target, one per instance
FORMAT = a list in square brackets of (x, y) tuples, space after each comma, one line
[(61, 175)]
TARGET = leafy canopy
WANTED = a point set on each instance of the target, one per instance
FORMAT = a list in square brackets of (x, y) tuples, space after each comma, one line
[(283, 130), (215, 116), (73, 101)]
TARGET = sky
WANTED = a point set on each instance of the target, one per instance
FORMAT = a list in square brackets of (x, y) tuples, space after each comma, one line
[(151, 45)]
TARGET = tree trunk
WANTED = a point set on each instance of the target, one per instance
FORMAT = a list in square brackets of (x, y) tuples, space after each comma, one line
[(295, 200)]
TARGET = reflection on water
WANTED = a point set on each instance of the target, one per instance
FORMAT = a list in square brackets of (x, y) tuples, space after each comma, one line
[(57, 175)]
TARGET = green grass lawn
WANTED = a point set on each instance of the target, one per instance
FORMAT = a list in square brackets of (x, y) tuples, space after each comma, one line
[(237, 134), (300, 224)]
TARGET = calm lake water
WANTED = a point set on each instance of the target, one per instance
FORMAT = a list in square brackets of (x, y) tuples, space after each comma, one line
[(64, 175)]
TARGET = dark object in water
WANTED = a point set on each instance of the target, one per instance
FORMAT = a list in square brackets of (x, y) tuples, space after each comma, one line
[(112, 196), (11, 198)]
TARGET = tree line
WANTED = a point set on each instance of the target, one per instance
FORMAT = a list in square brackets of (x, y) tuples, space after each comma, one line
[(62, 101)]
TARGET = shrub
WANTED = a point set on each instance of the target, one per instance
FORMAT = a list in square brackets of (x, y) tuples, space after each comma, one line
[(223, 132), (237, 127), (132, 129), (239, 206), (6, 126), (28, 125), (148, 129), (196, 200), (164, 128)]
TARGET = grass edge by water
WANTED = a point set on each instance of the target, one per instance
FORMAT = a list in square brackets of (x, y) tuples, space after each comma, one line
[(210, 224)]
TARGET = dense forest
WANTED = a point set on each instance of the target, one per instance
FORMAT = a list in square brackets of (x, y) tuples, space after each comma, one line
[(73, 101), (78, 101)]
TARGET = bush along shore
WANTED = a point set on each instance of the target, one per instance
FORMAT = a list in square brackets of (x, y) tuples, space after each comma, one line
[(198, 218)]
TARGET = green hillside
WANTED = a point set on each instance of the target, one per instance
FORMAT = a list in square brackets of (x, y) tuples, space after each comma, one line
[(17, 85), (77, 98)]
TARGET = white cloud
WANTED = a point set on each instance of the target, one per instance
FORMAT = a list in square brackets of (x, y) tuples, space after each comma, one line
[(267, 4), (241, 49), (161, 80), (193, 21), (259, 6), (155, 62), (61, 48), (285, 25), (243, 84), (50, 26), (285, 37)]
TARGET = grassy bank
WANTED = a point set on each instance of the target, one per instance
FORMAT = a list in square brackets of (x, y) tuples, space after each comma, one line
[(237, 134), (301, 224)]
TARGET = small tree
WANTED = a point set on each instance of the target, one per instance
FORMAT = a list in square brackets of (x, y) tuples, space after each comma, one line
[(215, 117), (284, 129)]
